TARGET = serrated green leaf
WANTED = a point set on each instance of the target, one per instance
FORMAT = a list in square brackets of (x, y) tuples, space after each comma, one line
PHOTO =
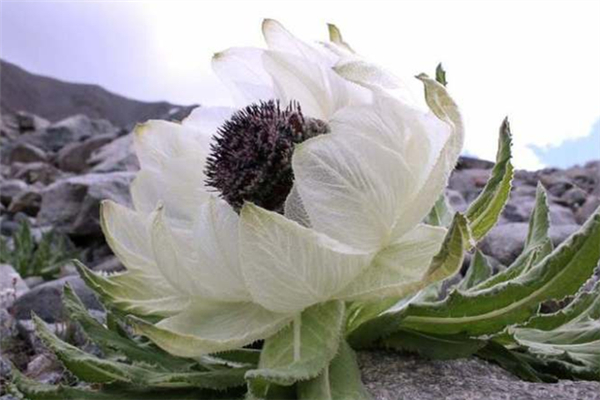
[(485, 210), (92, 369), (440, 75), (111, 342), (512, 362), (340, 381), (301, 350), (33, 390), (440, 214), (490, 310), (435, 347), (479, 270), (539, 221), (376, 320)]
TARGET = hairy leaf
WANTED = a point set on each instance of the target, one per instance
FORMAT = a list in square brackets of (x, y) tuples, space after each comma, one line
[(436, 347), (485, 210), (301, 350), (479, 270), (490, 310), (440, 214), (340, 381)]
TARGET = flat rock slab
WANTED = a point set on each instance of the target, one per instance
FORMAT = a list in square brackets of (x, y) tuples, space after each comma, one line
[(394, 376)]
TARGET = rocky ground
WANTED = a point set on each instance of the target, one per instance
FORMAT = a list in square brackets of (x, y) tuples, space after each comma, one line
[(53, 175)]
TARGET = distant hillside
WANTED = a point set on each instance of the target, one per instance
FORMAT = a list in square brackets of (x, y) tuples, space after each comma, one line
[(54, 99)]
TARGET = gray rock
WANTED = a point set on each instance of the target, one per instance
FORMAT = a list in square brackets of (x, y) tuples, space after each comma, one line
[(37, 172), (505, 242), (28, 122), (519, 209), (46, 299), (26, 153), (574, 197), (71, 205), (75, 129), (11, 188), (44, 368), (393, 376), (469, 182), (12, 286), (465, 162), (456, 200), (28, 202), (117, 155), (74, 156), (111, 264), (587, 209)]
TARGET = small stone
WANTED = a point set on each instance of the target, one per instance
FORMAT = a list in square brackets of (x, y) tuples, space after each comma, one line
[(587, 209), (26, 153), (37, 172), (12, 286), (46, 300), (118, 155), (11, 188), (574, 197), (28, 122), (456, 200), (44, 368), (28, 202)]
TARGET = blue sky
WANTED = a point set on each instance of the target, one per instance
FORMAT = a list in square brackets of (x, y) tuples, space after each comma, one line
[(537, 62)]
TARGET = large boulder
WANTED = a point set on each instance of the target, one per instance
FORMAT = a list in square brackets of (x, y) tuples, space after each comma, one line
[(394, 376), (75, 129), (71, 205), (505, 242), (117, 155), (74, 156), (46, 302)]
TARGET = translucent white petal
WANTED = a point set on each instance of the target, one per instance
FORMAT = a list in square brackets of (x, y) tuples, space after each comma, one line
[(352, 187), (319, 90), (127, 233), (208, 119), (294, 209), (288, 267), (445, 109), (400, 268), (156, 142), (205, 328), (203, 262), (281, 40), (179, 185), (241, 70)]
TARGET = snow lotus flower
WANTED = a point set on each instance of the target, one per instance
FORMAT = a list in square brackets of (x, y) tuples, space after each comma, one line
[(218, 276)]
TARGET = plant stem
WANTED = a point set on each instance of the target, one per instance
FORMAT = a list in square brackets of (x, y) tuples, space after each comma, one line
[(297, 324)]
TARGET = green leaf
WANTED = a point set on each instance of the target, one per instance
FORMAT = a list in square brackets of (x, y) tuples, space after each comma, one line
[(485, 210), (440, 214), (490, 310), (340, 381), (510, 361), (113, 343), (435, 347), (440, 75), (375, 320), (30, 389), (301, 350), (92, 369), (479, 270), (537, 245)]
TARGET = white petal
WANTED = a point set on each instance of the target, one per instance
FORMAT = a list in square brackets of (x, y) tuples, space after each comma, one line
[(241, 69), (399, 269), (179, 185), (205, 328), (319, 90), (352, 188), (444, 107), (156, 142), (288, 267), (294, 209), (203, 262), (280, 39), (208, 119)]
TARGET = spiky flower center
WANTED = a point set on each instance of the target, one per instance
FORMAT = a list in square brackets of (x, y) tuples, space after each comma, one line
[(251, 158)]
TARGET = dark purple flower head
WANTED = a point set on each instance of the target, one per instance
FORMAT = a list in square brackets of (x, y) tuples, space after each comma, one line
[(251, 158)]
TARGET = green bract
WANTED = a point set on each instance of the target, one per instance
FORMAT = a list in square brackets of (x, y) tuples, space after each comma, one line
[(357, 260)]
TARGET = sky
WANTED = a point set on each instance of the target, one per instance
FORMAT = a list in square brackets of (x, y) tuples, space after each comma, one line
[(536, 61)]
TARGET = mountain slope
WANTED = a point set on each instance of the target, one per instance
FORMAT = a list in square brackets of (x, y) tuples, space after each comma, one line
[(54, 99)]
